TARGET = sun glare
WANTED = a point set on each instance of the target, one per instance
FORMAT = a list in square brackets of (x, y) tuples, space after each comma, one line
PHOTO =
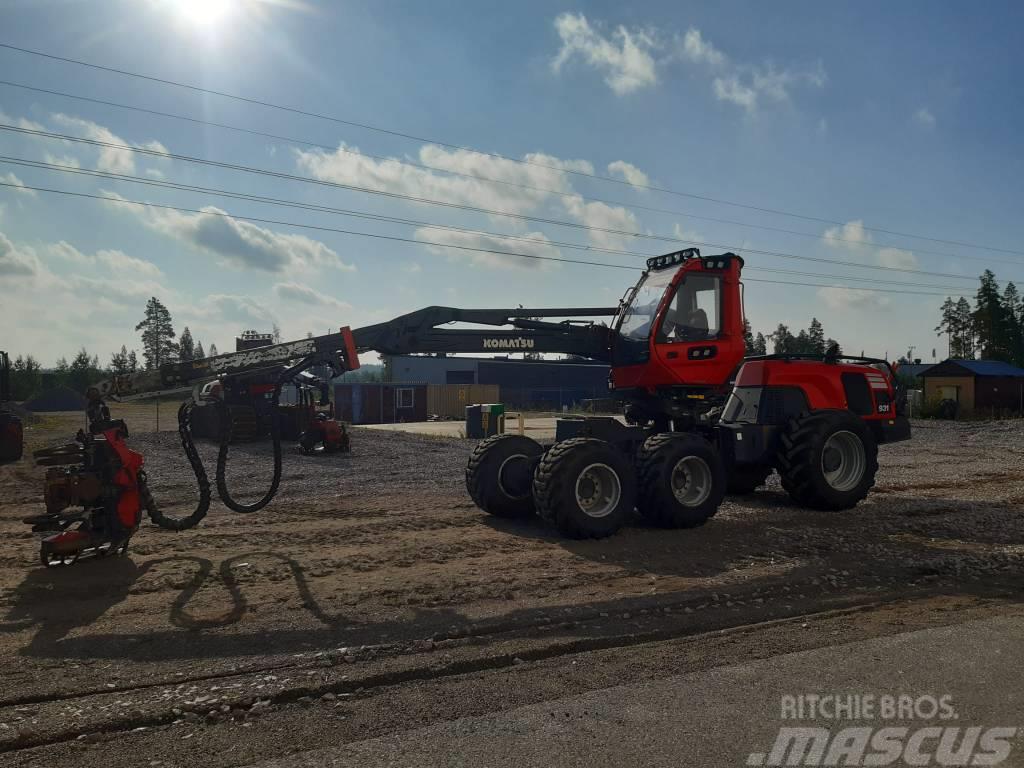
[(205, 13)]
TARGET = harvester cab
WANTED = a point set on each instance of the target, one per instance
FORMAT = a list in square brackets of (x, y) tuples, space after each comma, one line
[(679, 336)]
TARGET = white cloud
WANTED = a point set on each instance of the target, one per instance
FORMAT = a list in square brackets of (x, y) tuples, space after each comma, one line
[(925, 117), (303, 294), (235, 242), (630, 173), (730, 89), (897, 258), (110, 159), (239, 309), (19, 185), (700, 51), (853, 237), (605, 217), (749, 86), (850, 235), (392, 175), (539, 246), (125, 267), (124, 264), (625, 57), (16, 262), (852, 298)]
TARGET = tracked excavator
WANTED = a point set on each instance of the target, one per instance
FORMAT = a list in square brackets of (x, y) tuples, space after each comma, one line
[(699, 420)]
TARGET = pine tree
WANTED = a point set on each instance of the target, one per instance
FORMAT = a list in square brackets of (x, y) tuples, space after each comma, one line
[(186, 346), (1012, 318), (200, 353), (802, 344), (119, 362), (829, 344), (213, 350), (782, 340), (990, 319), (748, 337), (966, 334), (82, 372), (760, 344), (948, 323), (26, 377), (158, 345), (816, 336), (133, 362)]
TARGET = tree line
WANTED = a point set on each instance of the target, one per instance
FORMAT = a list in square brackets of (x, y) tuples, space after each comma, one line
[(160, 344), (809, 341), (993, 328)]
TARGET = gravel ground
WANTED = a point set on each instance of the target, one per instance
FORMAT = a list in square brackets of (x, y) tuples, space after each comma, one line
[(372, 596)]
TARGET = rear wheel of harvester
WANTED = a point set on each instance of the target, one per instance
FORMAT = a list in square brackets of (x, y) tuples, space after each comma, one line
[(682, 481), (746, 478), (828, 460), (585, 488), (499, 475)]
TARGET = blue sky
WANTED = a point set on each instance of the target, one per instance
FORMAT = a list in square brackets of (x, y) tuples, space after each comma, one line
[(877, 116)]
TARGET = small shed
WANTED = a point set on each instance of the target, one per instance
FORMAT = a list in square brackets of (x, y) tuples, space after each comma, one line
[(380, 403), (976, 385)]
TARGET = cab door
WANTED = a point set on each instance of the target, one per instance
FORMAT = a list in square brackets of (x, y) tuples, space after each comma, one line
[(688, 337)]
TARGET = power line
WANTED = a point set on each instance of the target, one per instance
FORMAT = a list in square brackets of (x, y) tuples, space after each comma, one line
[(164, 184), (413, 137), (461, 206), (460, 174), (124, 201)]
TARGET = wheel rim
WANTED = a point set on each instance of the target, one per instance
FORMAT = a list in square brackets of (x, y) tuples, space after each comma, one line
[(691, 481), (514, 476), (598, 490), (843, 461)]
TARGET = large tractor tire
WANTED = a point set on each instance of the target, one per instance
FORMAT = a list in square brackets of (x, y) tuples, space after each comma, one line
[(499, 476), (682, 480), (12, 438), (828, 460), (585, 488), (747, 478)]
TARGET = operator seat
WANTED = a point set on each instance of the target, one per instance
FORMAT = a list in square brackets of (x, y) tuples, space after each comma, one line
[(698, 324)]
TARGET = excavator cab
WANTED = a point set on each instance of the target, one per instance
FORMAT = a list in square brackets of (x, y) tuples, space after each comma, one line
[(679, 334)]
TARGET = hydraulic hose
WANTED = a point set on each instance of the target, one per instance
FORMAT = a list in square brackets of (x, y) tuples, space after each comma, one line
[(181, 523), (225, 441)]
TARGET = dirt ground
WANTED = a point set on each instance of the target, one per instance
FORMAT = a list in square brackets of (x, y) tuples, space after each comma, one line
[(373, 597)]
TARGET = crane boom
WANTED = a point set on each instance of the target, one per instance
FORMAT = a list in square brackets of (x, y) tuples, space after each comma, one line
[(413, 332)]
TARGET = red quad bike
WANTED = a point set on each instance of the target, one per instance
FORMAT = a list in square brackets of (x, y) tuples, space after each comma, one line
[(700, 420)]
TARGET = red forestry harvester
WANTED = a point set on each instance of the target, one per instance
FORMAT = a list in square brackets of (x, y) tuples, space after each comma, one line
[(699, 419)]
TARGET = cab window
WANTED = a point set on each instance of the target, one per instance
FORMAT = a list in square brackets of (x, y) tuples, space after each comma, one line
[(693, 314)]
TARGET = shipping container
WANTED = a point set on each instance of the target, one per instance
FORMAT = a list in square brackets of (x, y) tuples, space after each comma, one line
[(449, 401), (380, 403)]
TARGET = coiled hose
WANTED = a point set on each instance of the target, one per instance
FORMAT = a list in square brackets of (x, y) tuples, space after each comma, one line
[(189, 521), (225, 440)]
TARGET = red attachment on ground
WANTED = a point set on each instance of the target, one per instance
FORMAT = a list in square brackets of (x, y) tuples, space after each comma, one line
[(129, 505)]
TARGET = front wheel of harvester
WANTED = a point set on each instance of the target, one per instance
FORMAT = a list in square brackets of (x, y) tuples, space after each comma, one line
[(828, 460), (499, 475), (746, 478), (585, 488), (682, 481)]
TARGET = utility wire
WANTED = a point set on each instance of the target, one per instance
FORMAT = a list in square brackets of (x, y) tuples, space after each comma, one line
[(413, 137), (460, 174), (164, 184), (220, 214), (461, 206)]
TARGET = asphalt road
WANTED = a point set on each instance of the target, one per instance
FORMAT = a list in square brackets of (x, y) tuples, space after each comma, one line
[(731, 715)]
